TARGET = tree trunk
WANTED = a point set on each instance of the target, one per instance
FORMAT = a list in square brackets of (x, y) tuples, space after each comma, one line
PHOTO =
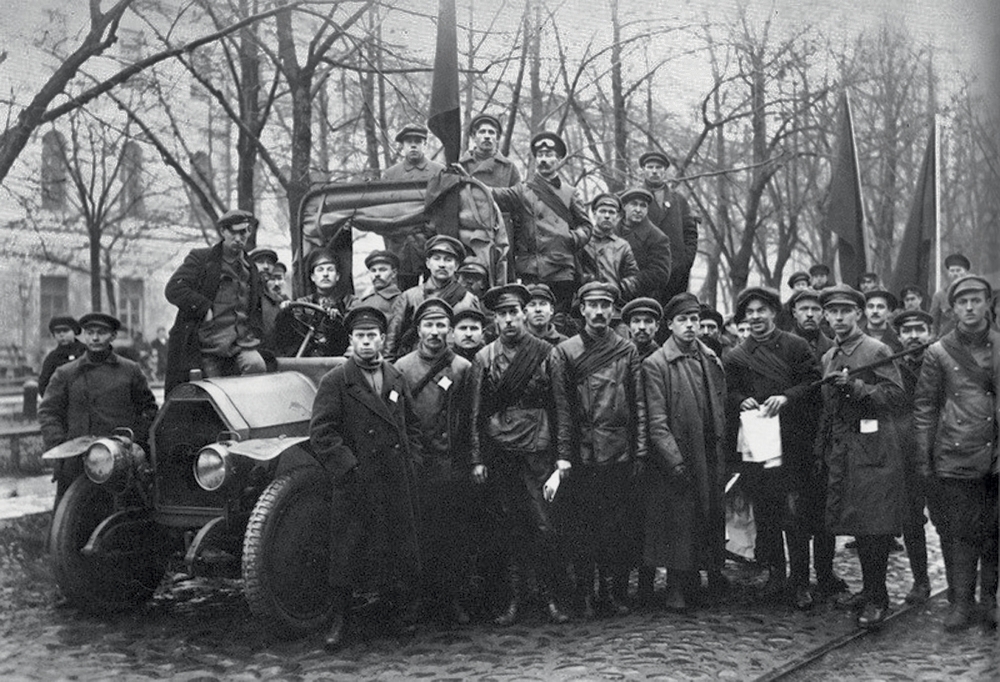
[(620, 160)]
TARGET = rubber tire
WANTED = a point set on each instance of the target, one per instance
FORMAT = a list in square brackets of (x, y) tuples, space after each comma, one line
[(286, 554), (98, 585)]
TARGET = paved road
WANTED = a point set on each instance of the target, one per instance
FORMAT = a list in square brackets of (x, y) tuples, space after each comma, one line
[(199, 629)]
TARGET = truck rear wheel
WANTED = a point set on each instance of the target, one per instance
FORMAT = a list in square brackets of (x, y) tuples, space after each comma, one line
[(117, 581), (286, 554)]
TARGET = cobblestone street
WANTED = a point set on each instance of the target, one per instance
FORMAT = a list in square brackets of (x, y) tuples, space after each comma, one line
[(200, 629)]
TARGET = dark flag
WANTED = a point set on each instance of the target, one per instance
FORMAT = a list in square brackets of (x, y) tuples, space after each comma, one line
[(445, 118), (845, 215), (913, 264)]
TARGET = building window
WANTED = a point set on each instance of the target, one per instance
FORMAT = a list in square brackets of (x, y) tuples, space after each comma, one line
[(131, 299), (132, 190), (53, 170), (54, 292)]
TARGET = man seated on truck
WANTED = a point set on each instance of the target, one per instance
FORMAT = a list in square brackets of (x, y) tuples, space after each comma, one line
[(328, 335)]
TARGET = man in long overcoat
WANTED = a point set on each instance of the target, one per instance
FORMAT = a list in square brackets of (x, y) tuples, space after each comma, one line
[(651, 248), (859, 443), (670, 213), (366, 436), (685, 391)]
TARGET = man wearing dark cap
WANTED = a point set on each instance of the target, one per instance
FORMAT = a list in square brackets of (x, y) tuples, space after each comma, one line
[(383, 267), (600, 429), (772, 373), (443, 256), (607, 257), (93, 395), (868, 281), (330, 336), (64, 330), (643, 316), (474, 275), (217, 291), (955, 265), (651, 248), (551, 225), (270, 302), (914, 330), (859, 444), (365, 434), (276, 283), (512, 448), (819, 277), (710, 328), (484, 161), (808, 315), (670, 213), (685, 393), (913, 298), (798, 281), (956, 429), (469, 323), (438, 381), (879, 305), (408, 244), (539, 312)]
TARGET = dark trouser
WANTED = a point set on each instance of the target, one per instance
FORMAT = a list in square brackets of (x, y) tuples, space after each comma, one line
[(447, 512), (964, 512), (913, 528), (873, 552), (810, 517), (770, 516)]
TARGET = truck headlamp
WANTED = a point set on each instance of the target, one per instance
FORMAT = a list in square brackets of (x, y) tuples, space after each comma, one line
[(212, 466)]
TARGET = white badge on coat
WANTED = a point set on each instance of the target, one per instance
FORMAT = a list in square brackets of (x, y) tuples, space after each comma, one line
[(869, 426), (445, 383), (393, 396)]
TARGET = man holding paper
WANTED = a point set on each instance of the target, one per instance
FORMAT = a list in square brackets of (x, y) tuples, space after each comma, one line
[(770, 375), (601, 429)]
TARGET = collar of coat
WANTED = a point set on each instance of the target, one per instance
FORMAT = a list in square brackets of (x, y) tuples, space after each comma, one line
[(420, 165), (87, 361), (389, 293), (497, 158), (673, 352), (851, 343), (382, 405)]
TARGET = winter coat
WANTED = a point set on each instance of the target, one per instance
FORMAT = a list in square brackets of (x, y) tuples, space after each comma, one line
[(408, 243), (672, 216), (859, 442), (956, 416), (88, 398), (56, 358), (496, 171), (400, 337), (192, 288), (610, 259), (598, 417), (651, 249), (383, 299), (685, 408)]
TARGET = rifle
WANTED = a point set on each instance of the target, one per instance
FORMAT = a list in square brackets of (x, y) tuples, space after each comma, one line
[(872, 365)]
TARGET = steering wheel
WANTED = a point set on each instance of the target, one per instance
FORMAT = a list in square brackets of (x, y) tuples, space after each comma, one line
[(307, 321)]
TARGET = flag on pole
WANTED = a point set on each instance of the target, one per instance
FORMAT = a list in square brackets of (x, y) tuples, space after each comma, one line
[(445, 119), (845, 215), (913, 264)]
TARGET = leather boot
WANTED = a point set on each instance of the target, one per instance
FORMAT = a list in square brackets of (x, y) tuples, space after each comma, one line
[(508, 616), (946, 547), (334, 638), (677, 600), (585, 588), (988, 591), (608, 596), (555, 614), (644, 591), (964, 560), (916, 550)]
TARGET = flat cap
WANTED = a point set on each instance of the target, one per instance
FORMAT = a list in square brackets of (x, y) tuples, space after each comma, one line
[(606, 199), (548, 140), (964, 284), (890, 299), (598, 290), (507, 294), (769, 296), (648, 306), (433, 307), (958, 259), (236, 219), (382, 256), (636, 193), (445, 244), (841, 294), (320, 256), (681, 304), (803, 295), (912, 289), (819, 269), (470, 312), (542, 291), (800, 276), (412, 130), (473, 265), (280, 266), (263, 253), (64, 322), (911, 316), (707, 312), (365, 317), (479, 119), (654, 155), (100, 320)]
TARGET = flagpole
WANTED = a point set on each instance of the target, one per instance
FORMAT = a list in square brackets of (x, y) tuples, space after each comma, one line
[(937, 202), (857, 184)]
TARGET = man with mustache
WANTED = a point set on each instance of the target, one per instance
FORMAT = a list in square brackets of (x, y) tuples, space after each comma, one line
[(608, 257), (651, 248), (512, 449), (443, 256), (539, 312), (383, 267), (484, 161), (467, 338), (330, 294), (879, 305), (914, 330), (772, 372), (438, 381), (670, 213), (685, 393), (551, 225), (600, 428), (956, 417)]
